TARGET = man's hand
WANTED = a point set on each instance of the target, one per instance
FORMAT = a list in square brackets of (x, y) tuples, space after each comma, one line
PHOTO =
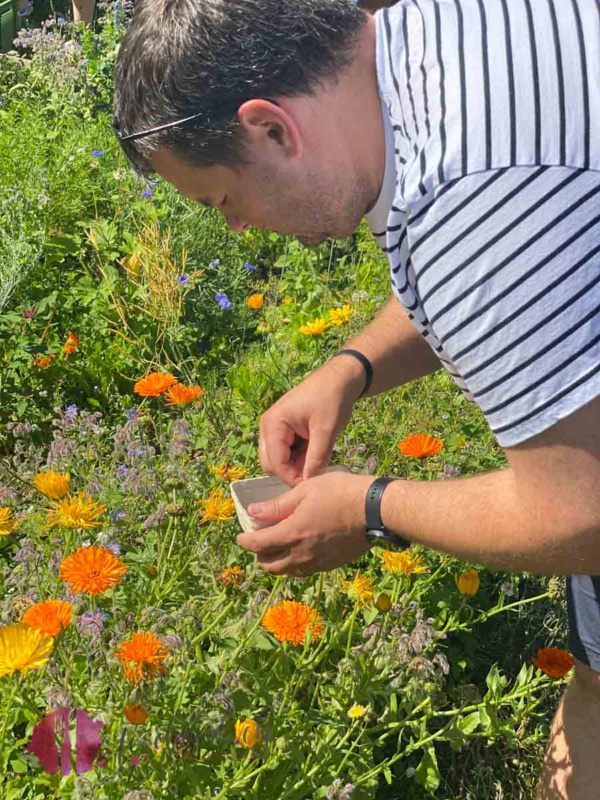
[(317, 526), (298, 432)]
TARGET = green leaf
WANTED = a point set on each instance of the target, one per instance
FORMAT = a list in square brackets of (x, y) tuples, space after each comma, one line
[(393, 703), (387, 774), (469, 723), (428, 773)]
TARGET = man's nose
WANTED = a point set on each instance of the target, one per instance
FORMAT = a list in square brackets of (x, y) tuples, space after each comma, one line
[(235, 223)]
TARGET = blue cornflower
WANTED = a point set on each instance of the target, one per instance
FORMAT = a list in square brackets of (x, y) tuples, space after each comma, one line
[(132, 414), (122, 470), (214, 263), (250, 267), (184, 279), (223, 301), (118, 516), (114, 547), (97, 153), (147, 193)]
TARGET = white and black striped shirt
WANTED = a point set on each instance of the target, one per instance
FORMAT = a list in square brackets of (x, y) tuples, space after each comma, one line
[(491, 203)]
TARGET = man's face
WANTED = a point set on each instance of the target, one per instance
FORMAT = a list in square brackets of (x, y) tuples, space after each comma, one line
[(289, 196)]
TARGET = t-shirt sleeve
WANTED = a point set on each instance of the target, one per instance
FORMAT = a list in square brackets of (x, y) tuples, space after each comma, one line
[(506, 268)]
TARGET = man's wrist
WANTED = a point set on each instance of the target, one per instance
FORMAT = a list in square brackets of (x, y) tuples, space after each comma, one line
[(351, 371)]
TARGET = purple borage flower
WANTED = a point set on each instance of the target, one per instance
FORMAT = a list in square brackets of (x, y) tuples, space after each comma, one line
[(97, 153), (223, 301), (184, 279), (250, 267)]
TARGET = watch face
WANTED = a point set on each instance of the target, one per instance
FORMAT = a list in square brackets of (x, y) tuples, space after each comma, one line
[(387, 540)]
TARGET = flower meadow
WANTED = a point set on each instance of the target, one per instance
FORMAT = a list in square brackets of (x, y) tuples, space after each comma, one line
[(143, 654)]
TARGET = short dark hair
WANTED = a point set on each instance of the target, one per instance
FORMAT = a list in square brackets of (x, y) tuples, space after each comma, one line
[(185, 57)]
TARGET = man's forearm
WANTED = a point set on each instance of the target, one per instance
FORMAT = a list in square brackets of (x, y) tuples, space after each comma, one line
[(483, 519), (395, 348)]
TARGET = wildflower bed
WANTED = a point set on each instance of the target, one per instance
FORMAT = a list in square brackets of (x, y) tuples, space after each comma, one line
[(143, 655)]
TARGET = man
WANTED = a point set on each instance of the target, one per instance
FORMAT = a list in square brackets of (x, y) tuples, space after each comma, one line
[(468, 132)]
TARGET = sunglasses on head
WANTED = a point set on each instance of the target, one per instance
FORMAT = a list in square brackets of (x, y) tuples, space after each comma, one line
[(131, 137)]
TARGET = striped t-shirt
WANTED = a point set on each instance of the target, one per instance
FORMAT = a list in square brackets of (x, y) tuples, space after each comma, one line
[(490, 209)]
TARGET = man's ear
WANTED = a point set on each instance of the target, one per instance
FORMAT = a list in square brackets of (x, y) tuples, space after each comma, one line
[(266, 123)]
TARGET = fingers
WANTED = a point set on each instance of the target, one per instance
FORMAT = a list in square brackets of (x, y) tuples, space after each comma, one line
[(275, 449), (267, 540), (318, 454), (276, 509)]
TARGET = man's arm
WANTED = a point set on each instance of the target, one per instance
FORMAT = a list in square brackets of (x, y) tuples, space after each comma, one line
[(396, 350), (541, 515)]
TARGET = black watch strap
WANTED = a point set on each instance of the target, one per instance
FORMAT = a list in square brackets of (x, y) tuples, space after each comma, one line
[(373, 519)]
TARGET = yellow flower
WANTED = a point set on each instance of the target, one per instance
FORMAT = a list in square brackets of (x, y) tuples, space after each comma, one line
[(228, 472), (53, 484), (22, 648), (248, 733), (357, 712), (7, 522), (255, 301), (468, 582), (287, 300), (75, 511), (383, 602), (315, 328), (217, 507), (340, 315), (360, 590), (404, 563)]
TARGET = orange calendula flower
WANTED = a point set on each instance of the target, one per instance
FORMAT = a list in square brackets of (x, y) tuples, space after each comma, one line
[(154, 384), (142, 656), (228, 472), (7, 521), (92, 570), (315, 328), (43, 361), (255, 301), (290, 621), (180, 395), (49, 616), (554, 661), (468, 582), (360, 590), (71, 344), (217, 507), (248, 733), (75, 511), (339, 316), (136, 713), (420, 445), (404, 563), (22, 648), (231, 576), (54, 485)]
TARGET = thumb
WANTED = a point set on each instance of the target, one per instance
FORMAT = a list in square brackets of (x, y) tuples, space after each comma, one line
[(318, 454), (276, 509)]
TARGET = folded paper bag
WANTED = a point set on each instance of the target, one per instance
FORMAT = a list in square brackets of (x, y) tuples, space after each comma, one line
[(257, 490)]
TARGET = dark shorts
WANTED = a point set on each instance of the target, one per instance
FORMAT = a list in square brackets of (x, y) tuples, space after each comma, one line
[(583, 607)]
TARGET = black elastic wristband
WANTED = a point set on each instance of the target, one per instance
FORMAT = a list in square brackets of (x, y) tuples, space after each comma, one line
[(366, 364)]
